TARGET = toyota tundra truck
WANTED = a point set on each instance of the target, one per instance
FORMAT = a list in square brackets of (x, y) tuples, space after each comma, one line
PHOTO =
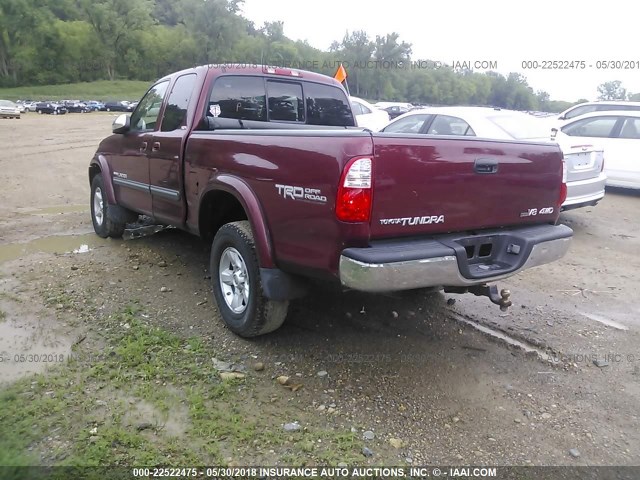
[(267, 164)]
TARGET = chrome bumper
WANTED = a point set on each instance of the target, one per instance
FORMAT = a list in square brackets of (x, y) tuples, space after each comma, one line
[(434, 272)]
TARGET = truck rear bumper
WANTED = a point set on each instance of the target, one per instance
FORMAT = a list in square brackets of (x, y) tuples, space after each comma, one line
[(452, 260)]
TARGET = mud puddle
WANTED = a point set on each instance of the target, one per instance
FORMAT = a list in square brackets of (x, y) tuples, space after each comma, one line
[(28, 342), (56, 244)]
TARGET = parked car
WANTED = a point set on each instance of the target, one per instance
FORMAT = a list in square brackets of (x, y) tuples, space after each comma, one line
[(284, 201), (619, 133), (29, 105), (94, 105), (599, 106), (119, 106), (396, 111), (367, 115), (8, 109), (584, 161), (76, 107), (51, 108)]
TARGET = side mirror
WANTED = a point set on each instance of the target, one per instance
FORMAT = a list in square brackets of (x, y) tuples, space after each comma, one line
[(121, 124), (562, 117)]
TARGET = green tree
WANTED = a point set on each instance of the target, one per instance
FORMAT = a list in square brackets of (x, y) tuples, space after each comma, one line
[(612, 91), (115, 23)]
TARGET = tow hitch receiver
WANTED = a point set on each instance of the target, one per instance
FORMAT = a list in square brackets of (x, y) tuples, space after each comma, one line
[(502, 299)]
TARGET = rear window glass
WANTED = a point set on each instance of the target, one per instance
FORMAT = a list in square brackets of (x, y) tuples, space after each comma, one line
[(251, 98), (523, 126), (285, 101), (238, 97), (327, 105)]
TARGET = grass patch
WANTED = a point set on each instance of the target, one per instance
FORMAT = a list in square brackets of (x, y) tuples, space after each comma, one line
[(148, 398), (101, 90)]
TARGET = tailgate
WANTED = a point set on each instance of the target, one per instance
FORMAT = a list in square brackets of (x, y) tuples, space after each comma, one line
[(429, 185)]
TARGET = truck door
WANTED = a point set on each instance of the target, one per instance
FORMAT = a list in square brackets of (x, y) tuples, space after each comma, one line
[(130, 168), (165, 153)]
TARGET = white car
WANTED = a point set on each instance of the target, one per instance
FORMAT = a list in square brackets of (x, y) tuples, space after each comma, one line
[(602, 105), (9, 109), (619, 133), (368, 116), (584, 161)]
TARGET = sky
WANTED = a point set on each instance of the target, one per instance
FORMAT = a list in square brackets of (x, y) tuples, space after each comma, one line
[(499, 31)]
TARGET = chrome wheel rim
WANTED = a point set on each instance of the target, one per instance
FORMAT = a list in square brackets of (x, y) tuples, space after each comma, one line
[(234, 280), (98, 206)]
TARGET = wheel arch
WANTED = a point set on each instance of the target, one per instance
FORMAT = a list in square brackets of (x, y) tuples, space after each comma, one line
[(230, 199), (99, 165)]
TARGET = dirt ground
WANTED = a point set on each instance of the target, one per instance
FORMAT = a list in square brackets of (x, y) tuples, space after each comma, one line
[(553, 381)]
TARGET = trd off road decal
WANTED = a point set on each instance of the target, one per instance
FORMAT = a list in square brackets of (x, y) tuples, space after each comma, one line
[(292, 192)]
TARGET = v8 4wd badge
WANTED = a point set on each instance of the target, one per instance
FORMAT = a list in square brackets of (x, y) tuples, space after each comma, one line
[(532, 212)]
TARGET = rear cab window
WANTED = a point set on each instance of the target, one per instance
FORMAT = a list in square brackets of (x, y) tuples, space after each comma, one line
[(266, 99)]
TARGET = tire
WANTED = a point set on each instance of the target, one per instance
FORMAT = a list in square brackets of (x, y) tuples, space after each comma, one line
[(251, 314), (108, 109), (103, 226)]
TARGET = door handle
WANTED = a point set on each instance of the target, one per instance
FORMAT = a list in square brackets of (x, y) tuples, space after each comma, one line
[(485, 165), (143, 146), (155, 147)]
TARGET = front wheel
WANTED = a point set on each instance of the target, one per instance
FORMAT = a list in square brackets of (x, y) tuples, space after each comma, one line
[(237, 287), (102, 225)]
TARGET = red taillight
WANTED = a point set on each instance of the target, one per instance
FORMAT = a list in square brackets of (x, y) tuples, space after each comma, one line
[(355, 191), (563, 187)]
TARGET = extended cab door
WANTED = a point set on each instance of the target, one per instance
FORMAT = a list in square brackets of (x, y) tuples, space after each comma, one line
[(166, 145), (130, 168)]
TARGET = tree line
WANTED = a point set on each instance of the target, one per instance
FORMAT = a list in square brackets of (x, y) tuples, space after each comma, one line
[(46, 42)]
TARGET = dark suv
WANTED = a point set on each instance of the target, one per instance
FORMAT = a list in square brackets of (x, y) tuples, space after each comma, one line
[(117, 107)]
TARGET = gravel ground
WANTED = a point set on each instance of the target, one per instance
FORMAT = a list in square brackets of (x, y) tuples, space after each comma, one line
[(419, 378)]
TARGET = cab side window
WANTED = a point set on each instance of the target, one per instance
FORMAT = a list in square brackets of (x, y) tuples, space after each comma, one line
[(175, 113), (145, 116), (238, 97)]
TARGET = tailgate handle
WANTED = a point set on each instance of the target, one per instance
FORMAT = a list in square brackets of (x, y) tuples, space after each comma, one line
[(485, 165)]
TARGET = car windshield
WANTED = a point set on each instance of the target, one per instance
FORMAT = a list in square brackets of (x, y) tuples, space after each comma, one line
[(6, 103), (522, 126)]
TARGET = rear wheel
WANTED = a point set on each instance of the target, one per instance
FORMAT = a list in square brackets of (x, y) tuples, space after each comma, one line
[(237, 287), (102, 225)]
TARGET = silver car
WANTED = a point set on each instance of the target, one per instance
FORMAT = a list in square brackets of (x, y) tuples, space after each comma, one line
[(584, 164)]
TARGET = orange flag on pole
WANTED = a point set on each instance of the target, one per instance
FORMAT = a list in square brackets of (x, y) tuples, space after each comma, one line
[(341, 74)]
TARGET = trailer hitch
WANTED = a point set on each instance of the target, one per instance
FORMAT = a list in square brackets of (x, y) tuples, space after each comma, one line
[(491, 291)]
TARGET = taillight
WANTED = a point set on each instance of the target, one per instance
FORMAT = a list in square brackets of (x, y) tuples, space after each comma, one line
[(355, 191), (563, 187)]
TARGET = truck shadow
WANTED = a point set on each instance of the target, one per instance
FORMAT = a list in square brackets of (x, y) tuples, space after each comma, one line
[(326, 314)]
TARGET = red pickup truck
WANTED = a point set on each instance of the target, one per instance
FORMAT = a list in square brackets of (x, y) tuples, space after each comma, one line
[(268, 165)]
